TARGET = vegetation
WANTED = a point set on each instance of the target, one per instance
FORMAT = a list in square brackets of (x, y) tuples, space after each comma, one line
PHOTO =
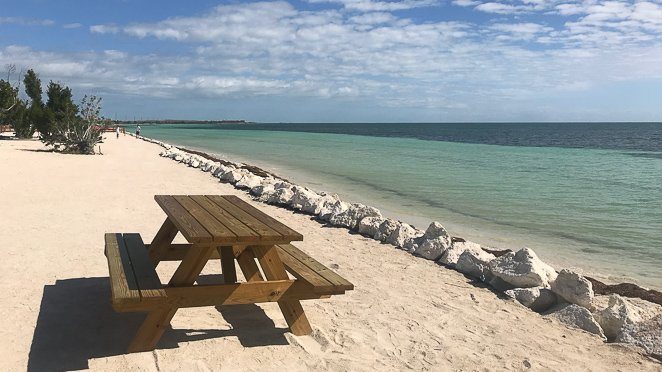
[(59, 121)]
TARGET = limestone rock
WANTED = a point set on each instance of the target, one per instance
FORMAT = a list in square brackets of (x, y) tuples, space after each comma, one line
[(434, 242), (194, 163), (475, 264), (646, 334), (386, 229), (401, 234), (263, 189), (178, 157), (280, 196), (577, 317), (452, 254), (369, 226), (574, 288), (302, 197), (232, 176), (248, 181), (351, 217), (315, 205), (622, 312), (523, 269), (330, 209), (537, 299)]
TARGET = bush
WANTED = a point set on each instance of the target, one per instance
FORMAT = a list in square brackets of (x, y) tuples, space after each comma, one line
[(77, 134)]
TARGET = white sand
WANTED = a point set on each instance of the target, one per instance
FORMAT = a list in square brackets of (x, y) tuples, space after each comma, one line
[(406, 313)]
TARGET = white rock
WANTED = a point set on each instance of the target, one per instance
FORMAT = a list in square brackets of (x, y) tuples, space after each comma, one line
[(263, 189), (248, 181), (280, 196), (401, 234), (232, 176), (621, 312), (523, 269), (330, 209), (646, 334), (432, 244), (573, 288), (302, 197), (351, 217), (194, 163), (207, 166), (221, 170), (178, 157), (577, 317), (369, 226), (315, 205), (537, 299), (475, 264), (452, 254), (386, 229)]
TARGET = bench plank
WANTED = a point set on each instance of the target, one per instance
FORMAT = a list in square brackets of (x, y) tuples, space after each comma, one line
[(339, 282), (264, 218), (147, 279), (120, 282), (304, 273)]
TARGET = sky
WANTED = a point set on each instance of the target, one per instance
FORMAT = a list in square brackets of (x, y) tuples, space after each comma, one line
[(347, 60)]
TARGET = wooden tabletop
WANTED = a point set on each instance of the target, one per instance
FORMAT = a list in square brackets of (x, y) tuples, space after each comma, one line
[(223, 219)]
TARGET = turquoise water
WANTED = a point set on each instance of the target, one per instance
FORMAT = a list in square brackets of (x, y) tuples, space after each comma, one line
[(596, 210)]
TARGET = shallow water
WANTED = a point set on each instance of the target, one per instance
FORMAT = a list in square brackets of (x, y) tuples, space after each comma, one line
[(595, 209)]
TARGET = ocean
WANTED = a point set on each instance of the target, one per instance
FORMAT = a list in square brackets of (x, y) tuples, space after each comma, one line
[(586, 196)]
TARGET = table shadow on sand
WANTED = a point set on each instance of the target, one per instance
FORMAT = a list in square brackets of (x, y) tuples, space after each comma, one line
[(76, 323)]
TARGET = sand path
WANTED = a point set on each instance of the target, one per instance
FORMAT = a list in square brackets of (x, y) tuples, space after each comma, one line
[(406, 313)]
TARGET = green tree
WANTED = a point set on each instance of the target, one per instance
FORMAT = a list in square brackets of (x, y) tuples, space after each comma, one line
[(78, 133), (37, 114), (33, 87), (60, 102)]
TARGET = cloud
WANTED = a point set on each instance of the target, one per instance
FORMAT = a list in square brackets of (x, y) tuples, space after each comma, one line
[(380, 6), (104, 29), (72, 25), (26, 21)]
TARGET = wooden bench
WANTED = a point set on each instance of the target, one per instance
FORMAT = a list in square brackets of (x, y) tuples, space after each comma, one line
[(134, 284)]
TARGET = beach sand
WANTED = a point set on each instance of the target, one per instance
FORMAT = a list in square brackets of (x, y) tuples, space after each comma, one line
[(405, 313)]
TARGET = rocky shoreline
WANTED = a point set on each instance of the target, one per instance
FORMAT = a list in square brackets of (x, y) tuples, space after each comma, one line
[(623, 313)]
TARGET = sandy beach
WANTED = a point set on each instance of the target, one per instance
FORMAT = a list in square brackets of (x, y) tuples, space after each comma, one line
[(405, 312)]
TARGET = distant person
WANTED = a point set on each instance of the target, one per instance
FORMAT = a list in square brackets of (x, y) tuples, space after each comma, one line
[(138, 130), (117, 131)]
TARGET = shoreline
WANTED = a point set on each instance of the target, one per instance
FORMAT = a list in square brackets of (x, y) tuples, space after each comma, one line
[(405, 312), (483, 235)]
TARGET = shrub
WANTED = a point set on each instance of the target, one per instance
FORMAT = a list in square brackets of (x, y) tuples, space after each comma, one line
[(77, 134)]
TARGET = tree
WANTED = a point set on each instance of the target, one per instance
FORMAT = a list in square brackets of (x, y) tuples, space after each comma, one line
[(78, 133), (13, 110), (33, 87), (37, 114), (60, 102)]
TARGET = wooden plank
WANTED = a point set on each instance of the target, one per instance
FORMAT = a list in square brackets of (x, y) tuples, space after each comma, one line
[(305, 273), (195, 260), (147, 279), (246, 261), (121, 293), (185, 223), (162, 241), (324, 271), (264, 218), (227, 264), (267, 234), (151, 330), (274, 270), (216, 229), (238, 293), (243, 232)]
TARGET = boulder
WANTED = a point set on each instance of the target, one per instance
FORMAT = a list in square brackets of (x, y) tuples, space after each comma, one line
[(401, 234), (369, 226), (178, 157), (302, 197), (263, 189), (280, 196), (207, 166), (452, 254), (333, 208), (315, 205), (248, 181), (221, 170), (646, 334), (194, 164), (537, 299), (577, 317), (232, 176), (351, 217), (434, 242), (523, 269), (622, 312), (573, 288), (475, 264), (386, 228)]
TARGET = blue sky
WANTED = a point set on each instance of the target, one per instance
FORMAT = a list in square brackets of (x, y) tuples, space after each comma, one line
[(348, 60)]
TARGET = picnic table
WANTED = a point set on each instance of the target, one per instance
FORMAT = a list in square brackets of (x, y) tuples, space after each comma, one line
[(215, 227)]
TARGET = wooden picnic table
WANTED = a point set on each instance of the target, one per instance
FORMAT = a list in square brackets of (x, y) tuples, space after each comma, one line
[(215, 226)]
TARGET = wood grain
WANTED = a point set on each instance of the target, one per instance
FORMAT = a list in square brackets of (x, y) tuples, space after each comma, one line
[(185, 223)]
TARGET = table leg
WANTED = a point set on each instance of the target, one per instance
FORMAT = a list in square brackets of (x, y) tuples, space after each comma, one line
[(161, 243), (157, 321), (248, 266), (274, 270), (227, 265)]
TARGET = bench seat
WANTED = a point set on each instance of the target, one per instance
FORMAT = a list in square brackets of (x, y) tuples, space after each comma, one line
[(134, 283), (321, 279)]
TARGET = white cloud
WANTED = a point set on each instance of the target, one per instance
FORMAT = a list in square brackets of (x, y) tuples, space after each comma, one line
[(104, 29), (498, 8), (26, 21), (380, 6), (72, 25)]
